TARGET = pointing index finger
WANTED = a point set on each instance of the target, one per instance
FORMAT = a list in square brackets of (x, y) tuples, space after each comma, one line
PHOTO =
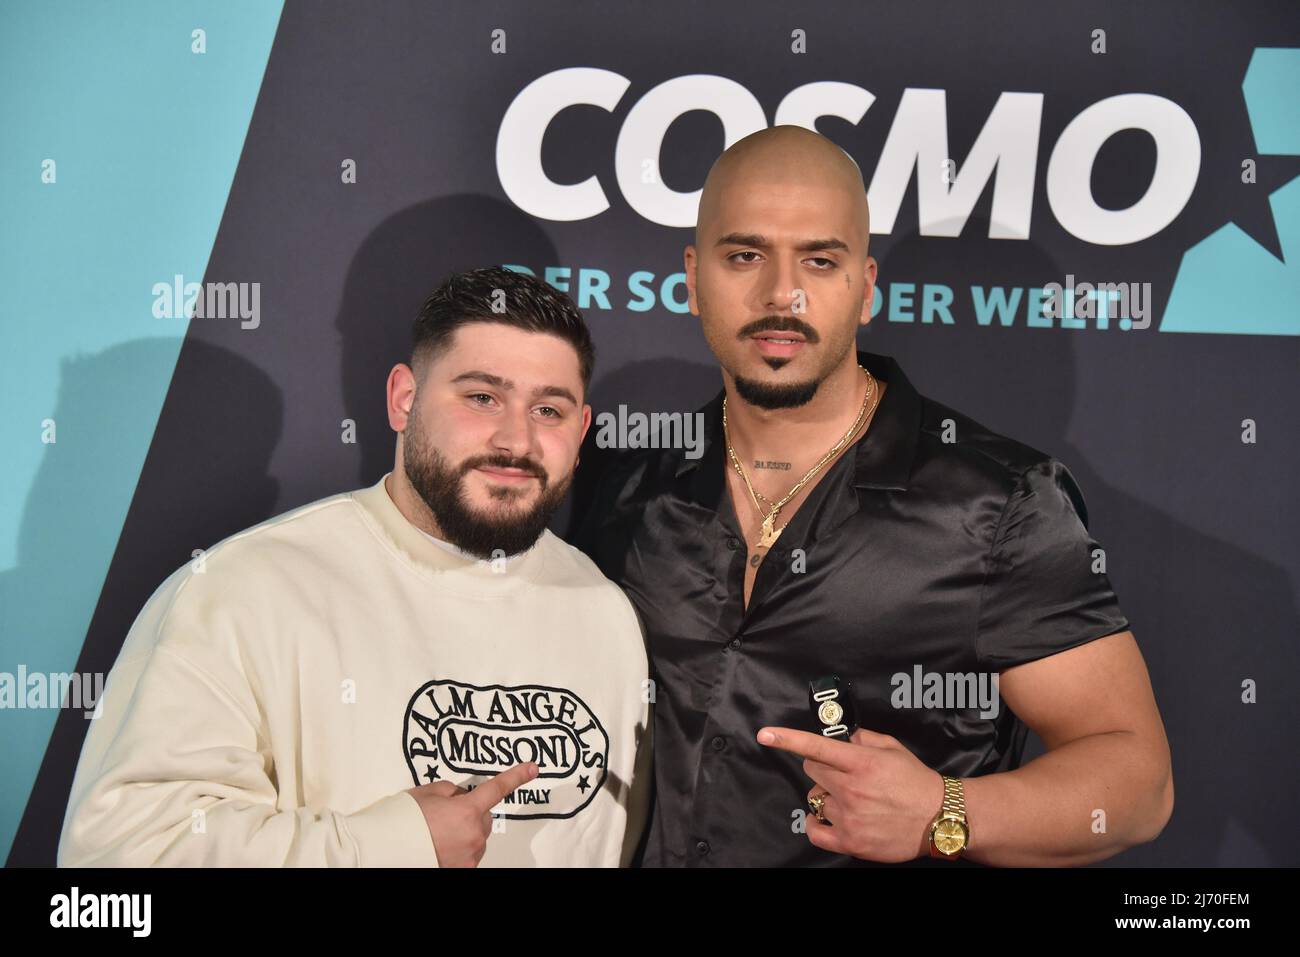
[(489, 794), (808, 745)]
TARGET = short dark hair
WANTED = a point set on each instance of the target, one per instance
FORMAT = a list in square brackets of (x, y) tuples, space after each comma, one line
[(529, 303)]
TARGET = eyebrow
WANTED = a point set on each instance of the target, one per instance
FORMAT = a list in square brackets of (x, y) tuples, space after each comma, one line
[(506, 385), (806, 246)]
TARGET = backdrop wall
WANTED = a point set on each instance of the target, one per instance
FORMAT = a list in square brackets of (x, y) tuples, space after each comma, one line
[(391, 147)]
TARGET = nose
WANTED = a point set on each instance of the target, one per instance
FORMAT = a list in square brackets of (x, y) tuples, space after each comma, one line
[(779, 293), (514, 434)]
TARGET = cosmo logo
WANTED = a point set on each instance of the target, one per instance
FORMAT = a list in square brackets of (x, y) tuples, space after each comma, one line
[(1006, 151)]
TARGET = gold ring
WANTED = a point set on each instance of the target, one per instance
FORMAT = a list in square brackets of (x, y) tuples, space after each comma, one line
[(817, 802)]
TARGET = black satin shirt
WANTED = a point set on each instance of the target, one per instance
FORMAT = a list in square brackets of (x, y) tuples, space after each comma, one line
[(968, 556)]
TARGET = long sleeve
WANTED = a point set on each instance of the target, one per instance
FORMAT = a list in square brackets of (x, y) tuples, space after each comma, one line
[(176, 769), (639, 800)]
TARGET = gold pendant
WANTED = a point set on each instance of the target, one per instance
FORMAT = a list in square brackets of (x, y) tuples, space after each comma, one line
[(770, 533)]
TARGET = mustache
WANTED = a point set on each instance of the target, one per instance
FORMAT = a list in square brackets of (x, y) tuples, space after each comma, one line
[(779, 324), (504, 461)]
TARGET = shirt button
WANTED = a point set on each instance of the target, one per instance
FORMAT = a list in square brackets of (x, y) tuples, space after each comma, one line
[(733, 542), (702, 848), (734, 643), (718, 742)]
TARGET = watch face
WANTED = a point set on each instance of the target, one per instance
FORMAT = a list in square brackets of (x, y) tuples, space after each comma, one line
[(830, 712), (950, 836)]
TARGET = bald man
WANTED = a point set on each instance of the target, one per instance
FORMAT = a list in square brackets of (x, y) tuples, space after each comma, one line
[(852, 617)]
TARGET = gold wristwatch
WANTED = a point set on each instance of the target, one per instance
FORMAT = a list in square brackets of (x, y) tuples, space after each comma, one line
[(949, 831)]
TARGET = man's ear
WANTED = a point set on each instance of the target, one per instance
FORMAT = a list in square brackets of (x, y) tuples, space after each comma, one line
[(401, 396), (586, 423), (869, 293), (689, 261)]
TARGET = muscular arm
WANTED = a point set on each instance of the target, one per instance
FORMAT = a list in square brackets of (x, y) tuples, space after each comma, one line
[(1106, 752)]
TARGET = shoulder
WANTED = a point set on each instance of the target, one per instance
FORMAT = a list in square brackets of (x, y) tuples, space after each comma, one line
[(618, 489), (633, 474), (231, 588), (973, 457), (1031, 492), (261, 559), (568, 567), (283, 541)]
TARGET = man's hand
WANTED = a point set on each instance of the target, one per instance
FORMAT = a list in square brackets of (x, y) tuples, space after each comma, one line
[(460, 820), (882, 798)]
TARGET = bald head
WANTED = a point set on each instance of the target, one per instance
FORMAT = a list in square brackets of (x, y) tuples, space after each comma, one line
[(783, 157)]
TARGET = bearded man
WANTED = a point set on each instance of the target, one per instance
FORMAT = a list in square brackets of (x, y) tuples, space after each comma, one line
[(252, 716), (858, 600)]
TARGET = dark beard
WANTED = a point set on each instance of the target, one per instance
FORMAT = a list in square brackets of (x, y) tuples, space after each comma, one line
[(788, 396), (485, 535), (765, 396)]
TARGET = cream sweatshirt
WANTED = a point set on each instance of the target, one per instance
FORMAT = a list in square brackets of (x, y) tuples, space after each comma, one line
[(277, 696)]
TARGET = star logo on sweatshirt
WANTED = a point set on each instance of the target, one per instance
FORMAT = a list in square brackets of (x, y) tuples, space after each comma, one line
[(583, 784), (431, 772)]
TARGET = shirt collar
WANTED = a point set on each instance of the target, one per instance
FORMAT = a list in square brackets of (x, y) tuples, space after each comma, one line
[(883, 456)]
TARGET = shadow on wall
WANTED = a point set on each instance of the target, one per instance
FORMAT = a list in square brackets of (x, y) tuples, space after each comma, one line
[(187, 497)]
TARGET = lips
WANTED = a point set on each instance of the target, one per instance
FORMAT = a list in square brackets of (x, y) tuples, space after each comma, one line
[(512, 476), (780, 345)]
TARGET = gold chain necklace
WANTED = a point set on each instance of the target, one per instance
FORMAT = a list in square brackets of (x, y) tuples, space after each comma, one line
[(769, 530)]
